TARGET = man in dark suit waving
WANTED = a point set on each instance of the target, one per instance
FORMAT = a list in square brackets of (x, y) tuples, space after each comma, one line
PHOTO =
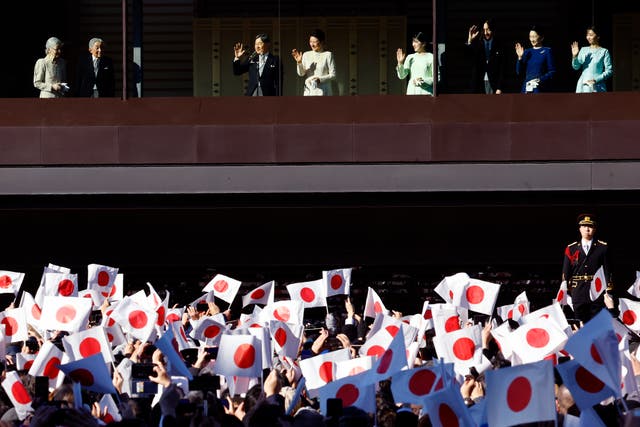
[(263, 67), (487, 59), (95, 78)]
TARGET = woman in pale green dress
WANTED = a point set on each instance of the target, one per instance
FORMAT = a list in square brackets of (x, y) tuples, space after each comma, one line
[(595, 63), (418, 66)]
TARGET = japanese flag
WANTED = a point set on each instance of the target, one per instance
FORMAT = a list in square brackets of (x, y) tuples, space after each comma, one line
[(586, 389), (521, 394), (373, 304), (630, 313), (174, 314), (265, 347), (161, 310), (115, 336), (10, 282), (598, 284), (287, 311), (46, 363), (179, 335), (69, 314), (392, 325), (634, 289), (537, 339), (18, 394), (224, 287), (394, 359), (204, 299), (286, 338), (101, 278), (553, 312), (61, 284), (209, 331), (447, 286), (505, 312), (319, 370), (24, 361), (117, 290), (135, 319), (347, 368), (355, 390), (337, 282), (94, 296), (169, 347), (31, 309), (261, 295), (462, 347), (520, 307), (91, 372), (310, 294), (113, 413), (15, 324), (445, 318), (87, 343), (478, 295), (376, 344), (413, 385), (239, 355), (427, 315), (562, 295), (446, 408)]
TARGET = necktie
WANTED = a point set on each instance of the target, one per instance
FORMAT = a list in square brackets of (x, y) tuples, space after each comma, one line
[(95, 66), (586, 248), (261, 64)]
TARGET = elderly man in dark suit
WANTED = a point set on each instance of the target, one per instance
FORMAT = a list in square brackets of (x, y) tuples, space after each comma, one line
[(95, 76), (264, 68)]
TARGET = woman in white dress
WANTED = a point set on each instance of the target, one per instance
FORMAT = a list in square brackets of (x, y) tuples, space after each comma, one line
[(595, 63), (418, 66), (316, 66)]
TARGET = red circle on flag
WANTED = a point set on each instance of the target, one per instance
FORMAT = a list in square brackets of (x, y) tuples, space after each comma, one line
[(282, 313), (110, 337), (521, 308), (421, 382), (595, 355), (82, 376), (281, 337), (377, 307), (10, 326), (173, 318), (65, 287), (103, 278), (138, 319), (447, 416), (307, 294), (560, 296), (257, 294), (245, 356), (36, 312), (66, 314), (464, 348), (393, 330), (51, 368), (537, 337), (598, 284), (20, 394), (475, 294), (5, 282), (89, 346), (428, 315), (211, 331), (161, 312), (325, 371), (452, 324), (336, 282), (27, 365), (587, 381), (108, 419), (349, 394), (385, 361), (510, 314), (519, 394), (629, 317), (111, 293), (375, 350), (221, 286), (451, 294)]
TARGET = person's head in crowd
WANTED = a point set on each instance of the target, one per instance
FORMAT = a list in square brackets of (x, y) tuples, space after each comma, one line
[(587, 226), (565, 403), (53, 48), (265, 414), (488, 29), (262, 44), (354, 417), (419, 42), (316, 40), (95, 47), (593, 36), (406, 417), (536, 36), (308, 417), (252, 397)]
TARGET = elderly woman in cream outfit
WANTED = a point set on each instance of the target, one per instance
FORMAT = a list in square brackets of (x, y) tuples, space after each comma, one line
[(316, 66), (50, 72)]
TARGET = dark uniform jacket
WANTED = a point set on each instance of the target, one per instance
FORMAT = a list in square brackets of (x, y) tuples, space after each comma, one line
[(493, 65), (270, 78), (577, 263), (86, 77)]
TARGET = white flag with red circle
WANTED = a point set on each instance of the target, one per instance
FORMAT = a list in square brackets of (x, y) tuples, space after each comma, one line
[(537, 339), (262, 295), (101, 278), (320, 370), (180, 335), (61, 284), (168, 345), (355, 390), (446, 318), (598, 284), (264, 341), (286, 338), (392, 325), (15, 325), (373, 304), (204, 299), (174, 314), (392, 360), (24, 361), (634, 289), (18, 394), (288, 311), (427, 315), (10, 282), (46, 363), (209, 331), (31, 309), (554, 312), (521, 394), (117, 290), (239, 355), (337, 282), (91, 372), (376, 344), (113, 413), (462, 347), (477, 295), (135, 319), (347, 368), (586, 389), (69, 314), (310, 294), (162, 309), (630, 313), (562, 296), (93, 295), (520, 307), (224, 287), (446, 408), (87, 343), (447, 286), (411, 386)]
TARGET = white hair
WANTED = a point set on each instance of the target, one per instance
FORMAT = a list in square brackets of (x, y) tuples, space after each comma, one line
[(94, 41), (52, 42)]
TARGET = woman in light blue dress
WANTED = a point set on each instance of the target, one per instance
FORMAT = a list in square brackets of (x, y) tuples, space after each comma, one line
[(595, 63)]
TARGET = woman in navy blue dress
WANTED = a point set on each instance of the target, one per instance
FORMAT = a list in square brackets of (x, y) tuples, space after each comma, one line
[(536, 63)]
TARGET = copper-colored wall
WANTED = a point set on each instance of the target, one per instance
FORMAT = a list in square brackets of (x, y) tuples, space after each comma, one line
[(236, 130)]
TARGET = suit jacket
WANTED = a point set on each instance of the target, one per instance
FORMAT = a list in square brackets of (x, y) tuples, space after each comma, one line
[(577, 263), (480, 64), (86, 77), (270, 78)]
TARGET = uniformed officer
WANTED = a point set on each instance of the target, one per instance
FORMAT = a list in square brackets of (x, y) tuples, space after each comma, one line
[(582, 259)]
